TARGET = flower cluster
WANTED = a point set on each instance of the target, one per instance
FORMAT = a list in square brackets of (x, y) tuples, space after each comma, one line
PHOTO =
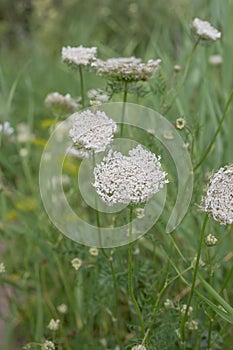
[(129, 179), (48, 345), (6, 129), (218, 200), (126, 69), (64, 103), (204, 30), (53, 325), (79, 56), (92, 130), (211, 240), (97, 96)]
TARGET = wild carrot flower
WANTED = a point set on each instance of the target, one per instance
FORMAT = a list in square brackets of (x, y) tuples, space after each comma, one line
[(204, 30), (210, 240), (62, 308), (98, 95), (192, 325), (79, 56), (6, 129), (60, 102), (92, 131), (76, 263), (126, 69), (129, 179), (48, 345), (218, 200), (183, 309), (53, 325)]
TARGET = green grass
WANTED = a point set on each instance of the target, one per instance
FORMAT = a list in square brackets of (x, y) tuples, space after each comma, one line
[(39, 275)]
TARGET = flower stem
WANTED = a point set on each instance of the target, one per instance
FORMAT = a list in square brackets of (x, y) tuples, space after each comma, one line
[(207, 151), (109, 259), (194, 279), (130, 274), (186, 69), (82, 86), (124, 105)]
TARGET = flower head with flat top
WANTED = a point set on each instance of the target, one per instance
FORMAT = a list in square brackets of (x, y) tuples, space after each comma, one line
[(204, 30), (79, 56), (129, 69), (218, 200), (129, 179), (92, 131)]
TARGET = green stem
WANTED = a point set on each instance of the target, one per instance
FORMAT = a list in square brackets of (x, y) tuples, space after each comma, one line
[(207, 151), (109, 259), (186, 69), (124, 105), (130, 274), (82, 86), (194, 279)]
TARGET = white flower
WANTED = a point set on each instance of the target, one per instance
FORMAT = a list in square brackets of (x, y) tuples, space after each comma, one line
[(77, 153), (6, 129), (62, 308), (53, 325), (76, 263), (79, 56), (92, 130), (98, 96), (168, 304), (211, 240), (61, 102), (129, 179), (94, 251), (204, 30), (138, 347), (48, 345), (183, 309), (218, 201), (127, 69), (215, 60), (2, 268), (192, 325)]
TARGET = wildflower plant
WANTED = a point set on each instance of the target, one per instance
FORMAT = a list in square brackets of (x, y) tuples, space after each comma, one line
[(119, 279)]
